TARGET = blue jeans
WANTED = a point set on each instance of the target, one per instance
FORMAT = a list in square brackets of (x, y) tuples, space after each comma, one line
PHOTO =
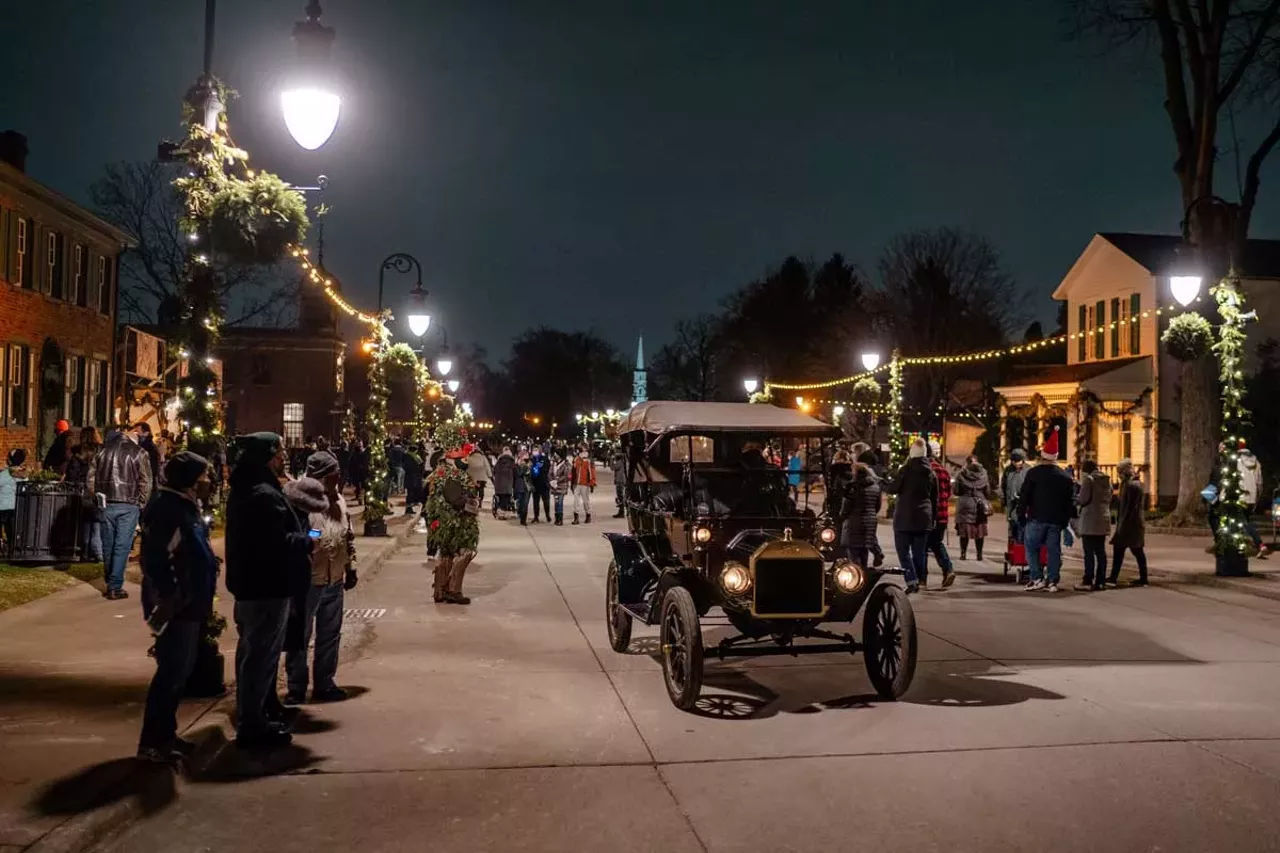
[(175, 658), (912, 554), (559, 506), (324, 615), (92, 548), (1039, 533), (119, 524), (938, 547), (261, 627)]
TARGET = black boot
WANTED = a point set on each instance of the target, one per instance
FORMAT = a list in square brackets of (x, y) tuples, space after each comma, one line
[(575, 518)]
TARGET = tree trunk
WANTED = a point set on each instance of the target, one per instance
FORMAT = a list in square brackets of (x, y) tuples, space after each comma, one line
[(1197, 439)]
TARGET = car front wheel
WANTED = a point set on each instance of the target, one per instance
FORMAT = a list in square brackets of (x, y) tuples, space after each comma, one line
[(617, 620), (681, 648), (889, 641)]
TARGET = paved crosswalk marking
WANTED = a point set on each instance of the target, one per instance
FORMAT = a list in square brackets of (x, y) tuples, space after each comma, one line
[(364, 612)]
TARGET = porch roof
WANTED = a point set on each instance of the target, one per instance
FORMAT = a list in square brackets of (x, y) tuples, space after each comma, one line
[(1112, 379)]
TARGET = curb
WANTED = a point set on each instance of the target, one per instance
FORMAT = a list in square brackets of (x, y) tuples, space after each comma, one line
[(86, 831)]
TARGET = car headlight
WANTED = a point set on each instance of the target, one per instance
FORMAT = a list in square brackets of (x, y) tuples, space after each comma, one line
[(848, 577), (735, 579), (702, 535), (827, 535)]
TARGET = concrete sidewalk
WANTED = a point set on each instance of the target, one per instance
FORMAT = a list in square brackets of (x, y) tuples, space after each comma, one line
[(73, 678)]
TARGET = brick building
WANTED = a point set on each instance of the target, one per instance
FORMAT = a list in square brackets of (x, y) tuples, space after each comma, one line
[(58, 287), (288, 381)]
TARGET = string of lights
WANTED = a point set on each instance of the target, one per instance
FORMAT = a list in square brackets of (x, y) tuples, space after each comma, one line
[(982, 355), (326, 283)]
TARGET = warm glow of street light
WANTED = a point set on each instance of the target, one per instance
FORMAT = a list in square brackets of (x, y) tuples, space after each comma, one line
[(1185, 288), (870, 360), (311, 115), (419, 323), (608, 413), (454, 385), (595, 416), (838, 411), (751, 385), (444, 365)]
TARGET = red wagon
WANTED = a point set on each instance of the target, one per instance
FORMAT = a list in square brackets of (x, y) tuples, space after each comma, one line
[(1015, 555)]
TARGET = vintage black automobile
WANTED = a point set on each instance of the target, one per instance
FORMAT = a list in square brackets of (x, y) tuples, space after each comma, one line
[(711, 524)]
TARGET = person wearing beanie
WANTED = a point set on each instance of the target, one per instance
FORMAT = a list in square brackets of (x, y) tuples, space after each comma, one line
[(941, 515), (1010, 486), (1046, 503), (268, 558), (1131, 527), (318, 611), (179, 577), (916, 488)]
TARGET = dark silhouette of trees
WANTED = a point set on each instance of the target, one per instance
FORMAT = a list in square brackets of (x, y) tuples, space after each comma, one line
[(691, 366), (554, 375)]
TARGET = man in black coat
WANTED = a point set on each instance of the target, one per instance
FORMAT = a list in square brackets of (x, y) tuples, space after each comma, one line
[(913, 513), (268, 560), (1046, 503)]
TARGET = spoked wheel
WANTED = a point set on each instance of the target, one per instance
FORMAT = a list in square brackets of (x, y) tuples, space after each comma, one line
[(617, 619), (889, 641), (681, 648)]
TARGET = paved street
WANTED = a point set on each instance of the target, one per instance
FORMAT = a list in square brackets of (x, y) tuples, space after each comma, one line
[(1141, 719)]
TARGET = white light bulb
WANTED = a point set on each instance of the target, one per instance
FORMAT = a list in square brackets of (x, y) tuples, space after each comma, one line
[(311, 115)]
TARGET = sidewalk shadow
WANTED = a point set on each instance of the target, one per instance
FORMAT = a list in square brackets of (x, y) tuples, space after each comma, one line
[(79, 690), (153, 785)]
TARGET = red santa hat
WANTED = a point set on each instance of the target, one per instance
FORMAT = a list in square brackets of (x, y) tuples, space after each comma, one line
[(1049, 450)]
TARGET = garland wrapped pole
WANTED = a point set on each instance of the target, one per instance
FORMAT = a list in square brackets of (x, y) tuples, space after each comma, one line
[(376, 506), (1232, 542), (897, 440)]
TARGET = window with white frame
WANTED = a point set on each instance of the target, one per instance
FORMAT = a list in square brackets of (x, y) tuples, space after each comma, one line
[(76, 296), (293, 424), (17, 385), (53, 264), (96, 393), (74, 390), (21, 267), (104, 285)]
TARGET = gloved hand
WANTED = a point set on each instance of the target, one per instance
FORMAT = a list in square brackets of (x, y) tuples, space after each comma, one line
[(350, 580)]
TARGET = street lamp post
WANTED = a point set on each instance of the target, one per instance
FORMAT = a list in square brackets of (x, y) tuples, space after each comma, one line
[(401, 263), (870, 361), (750, 385), (310, 104)]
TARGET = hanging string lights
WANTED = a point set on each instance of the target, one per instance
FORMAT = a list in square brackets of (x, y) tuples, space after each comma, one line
[(1232, 541)]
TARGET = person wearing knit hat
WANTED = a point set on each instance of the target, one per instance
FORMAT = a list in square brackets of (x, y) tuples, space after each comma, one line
[(179, 577), (317, 609), (1046, 503), (268, 561), (916, 488)]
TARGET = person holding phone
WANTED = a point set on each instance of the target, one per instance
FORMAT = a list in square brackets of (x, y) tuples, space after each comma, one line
[(318, 611)]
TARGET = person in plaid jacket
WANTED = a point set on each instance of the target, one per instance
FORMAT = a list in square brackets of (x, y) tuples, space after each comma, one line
[(942, 514)]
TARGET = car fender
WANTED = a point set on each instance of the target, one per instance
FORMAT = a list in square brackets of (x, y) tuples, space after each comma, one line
[(635, 568)]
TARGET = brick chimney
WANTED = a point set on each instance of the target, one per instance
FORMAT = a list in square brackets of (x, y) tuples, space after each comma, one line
[(13, 149)]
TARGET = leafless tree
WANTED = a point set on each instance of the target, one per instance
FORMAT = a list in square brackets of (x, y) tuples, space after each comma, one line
[(140, 200), (1218, 58), (689, 367)]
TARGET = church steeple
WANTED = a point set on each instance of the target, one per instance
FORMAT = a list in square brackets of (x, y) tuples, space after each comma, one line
[(640, 384)]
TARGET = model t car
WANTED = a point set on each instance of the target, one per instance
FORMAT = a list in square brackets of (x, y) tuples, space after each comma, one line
[(713, 524)]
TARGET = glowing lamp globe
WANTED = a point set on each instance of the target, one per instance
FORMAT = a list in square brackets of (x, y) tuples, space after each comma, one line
[(751, 385), (311, 115), (444, 365), (454, 385), (1185, 288), (870, 360)]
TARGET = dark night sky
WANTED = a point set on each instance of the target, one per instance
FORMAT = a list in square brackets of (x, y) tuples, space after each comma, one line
[(615, 165)]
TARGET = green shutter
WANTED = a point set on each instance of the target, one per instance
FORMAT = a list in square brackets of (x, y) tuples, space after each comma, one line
[(1115, 329), (1082, 353), (1100, 335), (1135, 328)]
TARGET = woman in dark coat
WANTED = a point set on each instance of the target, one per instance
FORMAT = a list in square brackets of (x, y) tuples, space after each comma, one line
[(858, 515), (973, 505), (916, 487), (1131, 525), (359, 466)]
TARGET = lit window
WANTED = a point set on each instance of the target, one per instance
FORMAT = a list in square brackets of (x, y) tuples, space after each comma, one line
[(293, 424)]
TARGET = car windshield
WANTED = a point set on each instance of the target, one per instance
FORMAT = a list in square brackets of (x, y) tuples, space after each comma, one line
[(750, 475)]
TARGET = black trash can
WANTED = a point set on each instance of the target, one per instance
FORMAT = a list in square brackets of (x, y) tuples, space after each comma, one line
[(48, 523)]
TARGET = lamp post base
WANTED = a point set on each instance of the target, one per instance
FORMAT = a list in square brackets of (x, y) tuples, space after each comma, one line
[(376, 528), (1231, 565)]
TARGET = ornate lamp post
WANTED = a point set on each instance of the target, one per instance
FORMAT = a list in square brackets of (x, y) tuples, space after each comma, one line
[(310, 104)]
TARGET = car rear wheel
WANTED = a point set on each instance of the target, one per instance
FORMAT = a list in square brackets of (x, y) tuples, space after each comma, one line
[(889, 641), (617, 619), (681, 648)]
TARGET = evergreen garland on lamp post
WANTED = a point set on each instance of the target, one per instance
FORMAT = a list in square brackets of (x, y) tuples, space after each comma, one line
[(376, 508), (897, 440), (1232, 543)]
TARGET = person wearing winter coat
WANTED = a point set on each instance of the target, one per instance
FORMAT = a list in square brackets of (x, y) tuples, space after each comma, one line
[(561, 476), (414, 478), (1094, 523), (973, 505), (359, 469), (1131, 525), (860, 507), (619, 465), (504, 471), (479, 470), (1250, 470), (583, 479), (869, 458), (179, 577), (916, 488), (454, 527), (942, 513), (540, 483), (10, 476), (318, 610), (268, 556), (1010, 488), (78, 466), (1046, 504), (520, 487)]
